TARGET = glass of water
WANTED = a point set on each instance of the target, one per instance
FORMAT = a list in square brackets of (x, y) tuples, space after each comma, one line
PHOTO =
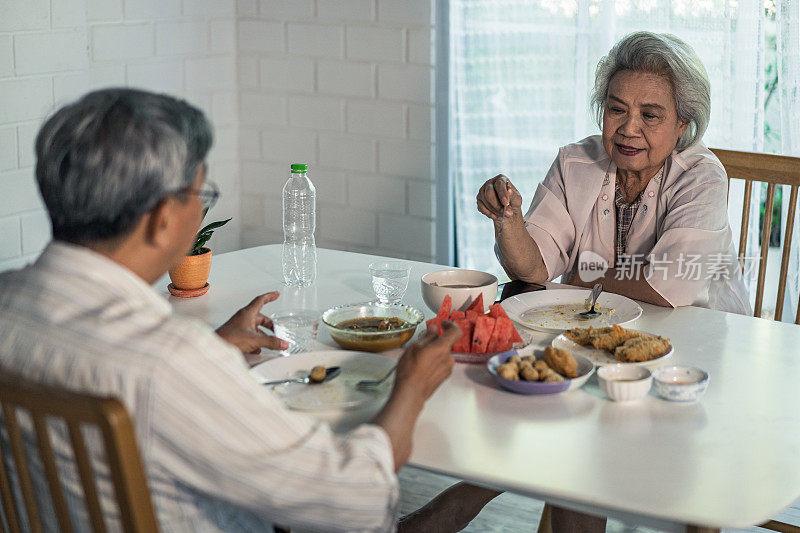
[(389, 280), (298, 328)]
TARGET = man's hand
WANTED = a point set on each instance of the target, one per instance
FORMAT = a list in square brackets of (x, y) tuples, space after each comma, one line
[(427, 362), (421, 369), (242, 330)]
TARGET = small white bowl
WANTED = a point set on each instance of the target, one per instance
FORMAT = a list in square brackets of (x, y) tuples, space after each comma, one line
[(624, 382), (463, 286), (680, 383)]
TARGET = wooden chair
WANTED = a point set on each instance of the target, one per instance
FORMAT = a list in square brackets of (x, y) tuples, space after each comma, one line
[(75, 410), (773, 170)]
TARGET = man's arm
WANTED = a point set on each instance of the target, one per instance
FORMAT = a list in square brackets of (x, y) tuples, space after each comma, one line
[(420, 371)]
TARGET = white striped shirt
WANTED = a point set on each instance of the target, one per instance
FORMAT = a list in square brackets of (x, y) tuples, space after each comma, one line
[(220, 452)]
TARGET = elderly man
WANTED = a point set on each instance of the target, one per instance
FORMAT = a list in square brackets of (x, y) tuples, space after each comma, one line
[(122, 174)]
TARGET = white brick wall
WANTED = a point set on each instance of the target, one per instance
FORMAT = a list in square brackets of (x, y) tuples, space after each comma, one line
[(356, 75), (52, 52), (342, 84)]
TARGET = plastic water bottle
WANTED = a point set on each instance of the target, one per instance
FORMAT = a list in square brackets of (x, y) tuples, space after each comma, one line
[(299, 221)]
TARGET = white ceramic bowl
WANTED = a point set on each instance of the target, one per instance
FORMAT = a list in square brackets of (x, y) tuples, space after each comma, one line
[(680, 383), (624, 383), (463, 286)]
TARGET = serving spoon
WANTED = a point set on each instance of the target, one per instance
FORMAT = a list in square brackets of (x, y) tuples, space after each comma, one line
[(591, 313), (330, 373)]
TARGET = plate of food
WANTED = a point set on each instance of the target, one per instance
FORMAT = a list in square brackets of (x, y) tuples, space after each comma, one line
[(555, 372), (556, 310), (615, 344), (483, 334), (336, 394)]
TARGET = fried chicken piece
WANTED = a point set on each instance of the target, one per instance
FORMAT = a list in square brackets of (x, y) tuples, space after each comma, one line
[(613, 338), (579, 335), (541, 367), (561, 361), (642, 348)]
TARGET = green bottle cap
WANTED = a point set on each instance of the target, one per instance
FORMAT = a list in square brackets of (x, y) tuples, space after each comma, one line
[(299, 167)]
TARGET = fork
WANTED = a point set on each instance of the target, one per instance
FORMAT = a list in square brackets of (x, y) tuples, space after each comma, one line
[(367, 384)]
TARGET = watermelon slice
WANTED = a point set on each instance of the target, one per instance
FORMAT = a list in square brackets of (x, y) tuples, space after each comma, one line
[(477, 304), (444, 309), (515, 337), (435, 324), (496, 311), (457, 315), (483, 332), (464, 344), (473, 316), (500, 340)]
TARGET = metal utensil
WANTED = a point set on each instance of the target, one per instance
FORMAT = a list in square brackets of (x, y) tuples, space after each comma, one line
[(591, 313), (330, 373), (503, 216), (367, 384)]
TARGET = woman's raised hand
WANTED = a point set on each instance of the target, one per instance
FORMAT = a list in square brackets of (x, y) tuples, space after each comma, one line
[(499, 194)]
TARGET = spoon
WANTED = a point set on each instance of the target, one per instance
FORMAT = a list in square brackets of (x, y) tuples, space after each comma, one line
[(366, 384), (503, 216), (330, 373), (591, 313)]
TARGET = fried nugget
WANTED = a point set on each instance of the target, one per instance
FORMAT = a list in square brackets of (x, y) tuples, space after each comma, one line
[(561, 361), (514, 359), (508, 371), (529, 374), (541, 367), (553, 376), (642, 348), (613, 338), (579, 335)]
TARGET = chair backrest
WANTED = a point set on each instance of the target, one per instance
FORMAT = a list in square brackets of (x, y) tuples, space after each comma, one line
[(772, 170), (76, 410)]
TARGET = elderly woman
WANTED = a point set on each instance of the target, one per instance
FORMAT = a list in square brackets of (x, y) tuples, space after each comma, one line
[(645, 201)]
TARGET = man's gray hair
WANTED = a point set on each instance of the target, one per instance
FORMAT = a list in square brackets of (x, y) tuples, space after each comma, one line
[(104, 161), (668, 56)]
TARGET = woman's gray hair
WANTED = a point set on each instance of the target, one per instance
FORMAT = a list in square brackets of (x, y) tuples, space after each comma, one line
[(668, 56), (104, 161)]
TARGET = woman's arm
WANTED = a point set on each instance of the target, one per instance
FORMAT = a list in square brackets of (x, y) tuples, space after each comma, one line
[(637, 289)]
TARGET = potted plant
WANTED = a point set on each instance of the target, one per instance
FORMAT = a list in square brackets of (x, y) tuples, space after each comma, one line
[(190, 277)]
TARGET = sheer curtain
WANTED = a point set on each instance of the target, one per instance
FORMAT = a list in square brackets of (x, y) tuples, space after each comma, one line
[(788, 52), (522, 71)]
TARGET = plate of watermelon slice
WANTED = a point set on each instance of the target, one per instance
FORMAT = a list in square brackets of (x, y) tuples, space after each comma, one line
[(483, 334)]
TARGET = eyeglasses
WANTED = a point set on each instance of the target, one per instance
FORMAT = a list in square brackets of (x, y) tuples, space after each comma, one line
[(209, 194)]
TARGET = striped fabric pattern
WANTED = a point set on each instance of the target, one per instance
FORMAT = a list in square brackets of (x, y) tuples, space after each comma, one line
[(221, 453)]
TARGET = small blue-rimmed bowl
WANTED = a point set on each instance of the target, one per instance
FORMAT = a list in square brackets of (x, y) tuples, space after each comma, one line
[(680, 383)]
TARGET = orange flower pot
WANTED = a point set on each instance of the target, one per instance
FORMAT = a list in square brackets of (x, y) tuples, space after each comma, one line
[(192, 272)]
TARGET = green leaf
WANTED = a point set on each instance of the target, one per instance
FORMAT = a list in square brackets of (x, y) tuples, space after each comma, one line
[(200, 242), (213, 226)]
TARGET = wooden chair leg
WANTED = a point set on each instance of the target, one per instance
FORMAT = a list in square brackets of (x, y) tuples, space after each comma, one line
[(544, 522), (783, 527)]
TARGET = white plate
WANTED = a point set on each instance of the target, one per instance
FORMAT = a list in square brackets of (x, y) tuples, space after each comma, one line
[(338, 393), (602, 357), (556, 310)]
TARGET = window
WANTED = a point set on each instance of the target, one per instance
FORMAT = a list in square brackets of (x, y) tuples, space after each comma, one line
[(521, 72)]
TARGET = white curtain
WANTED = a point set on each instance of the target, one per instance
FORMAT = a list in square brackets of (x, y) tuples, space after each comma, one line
[(522, 71), (788, 50)]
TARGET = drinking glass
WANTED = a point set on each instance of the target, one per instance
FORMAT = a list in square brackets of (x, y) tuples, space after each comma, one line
[(389, 280), (298, 328)]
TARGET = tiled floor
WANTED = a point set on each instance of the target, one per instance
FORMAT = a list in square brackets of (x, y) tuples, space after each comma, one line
[(509, 513)]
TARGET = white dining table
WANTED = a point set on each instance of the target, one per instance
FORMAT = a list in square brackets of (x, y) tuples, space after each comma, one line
[(730, 460)]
